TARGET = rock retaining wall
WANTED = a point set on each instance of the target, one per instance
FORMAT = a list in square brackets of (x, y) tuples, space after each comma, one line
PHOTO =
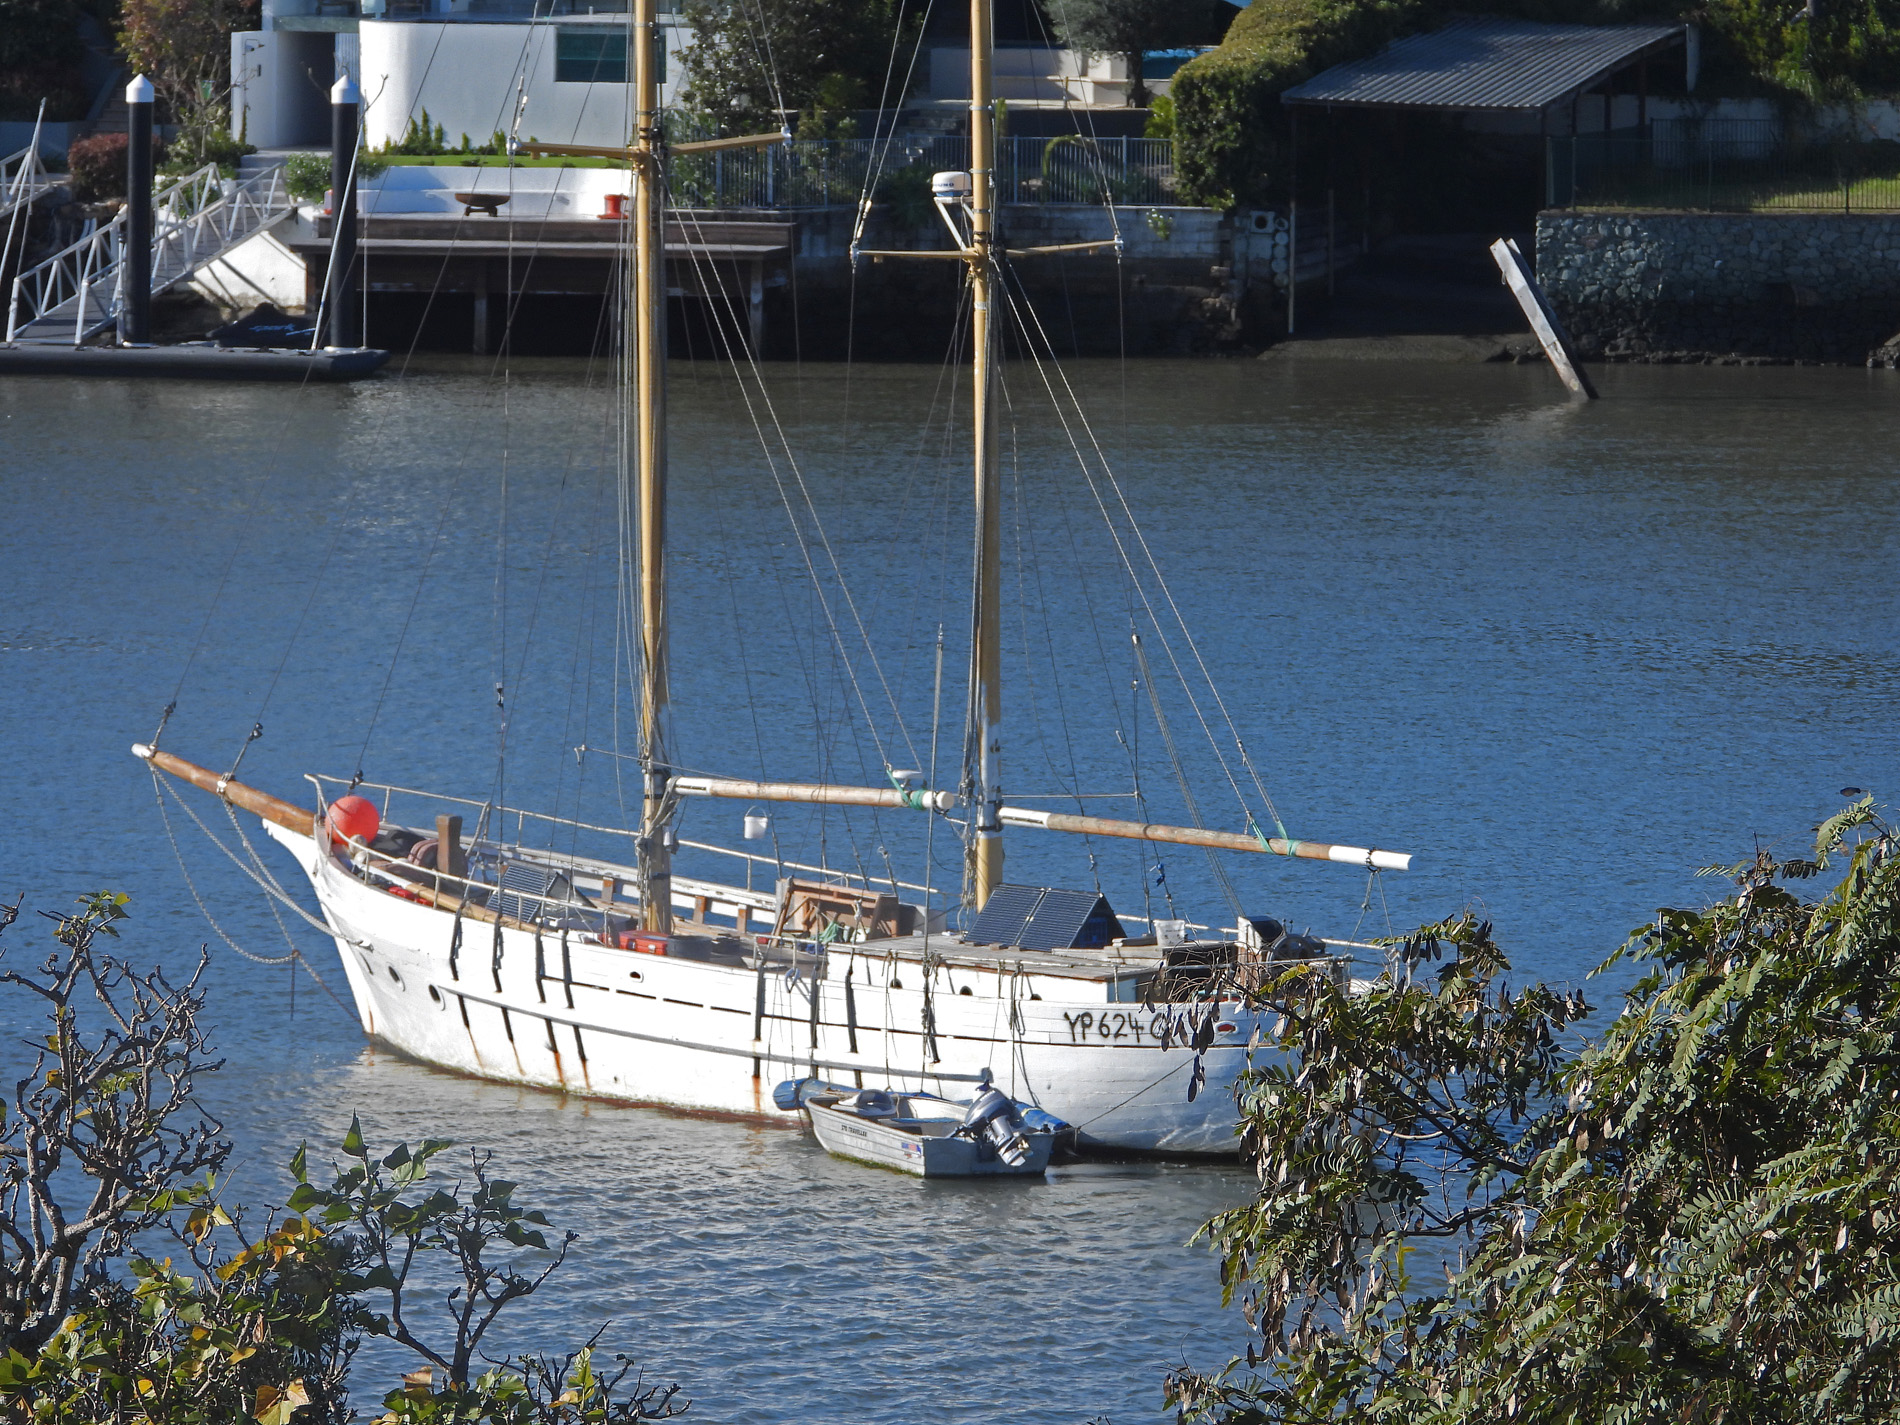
[(1761, 287)]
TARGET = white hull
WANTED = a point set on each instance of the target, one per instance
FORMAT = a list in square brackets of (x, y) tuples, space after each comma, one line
[(586, 1018)]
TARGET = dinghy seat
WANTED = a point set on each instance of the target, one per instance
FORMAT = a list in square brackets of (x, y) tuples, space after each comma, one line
[(873, 1103)]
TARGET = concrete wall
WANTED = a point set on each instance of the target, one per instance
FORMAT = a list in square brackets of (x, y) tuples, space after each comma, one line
[(1805, 287), (259, 269), (470, 76), (280, 87), (55, 139)]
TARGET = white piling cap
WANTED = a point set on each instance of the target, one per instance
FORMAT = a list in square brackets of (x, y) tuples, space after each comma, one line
[(344, 91), (139, 91)]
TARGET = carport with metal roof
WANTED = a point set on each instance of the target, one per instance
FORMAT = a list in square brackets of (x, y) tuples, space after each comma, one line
[(1504, 84), (1497, 66)]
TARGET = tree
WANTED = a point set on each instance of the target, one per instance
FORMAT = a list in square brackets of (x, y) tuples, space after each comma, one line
[(1691, 1218), (116, 1106), (40, 54), (131, 1290), (1132, 29), (752, 59), (184, 48)]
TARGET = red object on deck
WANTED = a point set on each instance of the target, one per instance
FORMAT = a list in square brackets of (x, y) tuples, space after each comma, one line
[(616, 206), (353, 817), (643, 941)]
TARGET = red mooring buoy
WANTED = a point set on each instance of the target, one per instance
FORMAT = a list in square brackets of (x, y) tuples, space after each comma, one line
[(353, 817)]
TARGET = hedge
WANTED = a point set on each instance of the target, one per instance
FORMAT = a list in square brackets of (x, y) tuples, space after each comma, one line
[(1231, 131), (97, 166)]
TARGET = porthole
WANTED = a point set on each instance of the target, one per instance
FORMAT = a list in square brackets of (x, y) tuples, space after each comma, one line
[(435, 994), (966, 990), (635, 975), (897, 984), (393, 975), (1033, 996)]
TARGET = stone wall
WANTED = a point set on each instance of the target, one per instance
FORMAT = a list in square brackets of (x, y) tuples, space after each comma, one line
[(1760, 287)]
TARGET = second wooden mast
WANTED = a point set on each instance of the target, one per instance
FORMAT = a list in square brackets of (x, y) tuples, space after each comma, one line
[(648, 283), (986, 633)]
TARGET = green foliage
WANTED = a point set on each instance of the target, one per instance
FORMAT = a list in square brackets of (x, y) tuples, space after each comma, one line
[(1160, 124), (97, 166), (307, 175), (907, 192), (818, 59), (184, 48), (1231, 129), (194, 148), (1131, 29), (421, 138), (40, 55), (1849, 47), (131, 1290), (1692, 1218)]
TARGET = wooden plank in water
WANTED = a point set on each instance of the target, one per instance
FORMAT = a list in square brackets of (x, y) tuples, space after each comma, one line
[(1537, 309)]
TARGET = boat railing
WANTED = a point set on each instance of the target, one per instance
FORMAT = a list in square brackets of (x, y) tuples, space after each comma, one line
[(705, 903), (499, 815)]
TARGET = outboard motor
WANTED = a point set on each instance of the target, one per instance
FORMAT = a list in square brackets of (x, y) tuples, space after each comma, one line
[(992, 1119)]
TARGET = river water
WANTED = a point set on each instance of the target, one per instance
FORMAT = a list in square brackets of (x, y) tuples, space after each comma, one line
[(1564, 654)]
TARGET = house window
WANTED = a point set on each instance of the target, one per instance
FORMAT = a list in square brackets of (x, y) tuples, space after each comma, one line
[(598, 55)]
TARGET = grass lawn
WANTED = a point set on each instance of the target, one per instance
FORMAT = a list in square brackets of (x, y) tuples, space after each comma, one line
[(490, 160), (1798, 193)]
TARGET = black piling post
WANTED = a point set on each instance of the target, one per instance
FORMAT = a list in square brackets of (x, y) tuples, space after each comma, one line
[(345, 114), (135, 315)]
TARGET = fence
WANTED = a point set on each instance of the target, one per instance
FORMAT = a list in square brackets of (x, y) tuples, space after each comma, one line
[(1730, 167), (810, 173)]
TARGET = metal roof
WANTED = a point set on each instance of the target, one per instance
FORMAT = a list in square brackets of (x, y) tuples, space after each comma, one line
[(1486, 64)]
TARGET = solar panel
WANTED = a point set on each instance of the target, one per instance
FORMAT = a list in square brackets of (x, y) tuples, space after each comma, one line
[(1004, 914), (1071, 920), (1043, 918)]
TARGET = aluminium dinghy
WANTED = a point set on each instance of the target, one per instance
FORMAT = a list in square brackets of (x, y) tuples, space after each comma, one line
[(989, 1135)]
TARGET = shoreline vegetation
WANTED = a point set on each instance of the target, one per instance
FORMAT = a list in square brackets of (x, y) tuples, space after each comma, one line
[(131, 1290), (1688, 1215)]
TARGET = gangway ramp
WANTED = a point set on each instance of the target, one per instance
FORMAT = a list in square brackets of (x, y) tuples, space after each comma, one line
[(78, 292)]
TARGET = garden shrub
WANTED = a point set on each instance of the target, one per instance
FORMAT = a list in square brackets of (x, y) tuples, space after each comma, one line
[(97, 166), (1231, 130)]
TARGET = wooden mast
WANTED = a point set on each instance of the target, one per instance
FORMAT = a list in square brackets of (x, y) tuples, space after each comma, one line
[(986, 657), (655, 861)]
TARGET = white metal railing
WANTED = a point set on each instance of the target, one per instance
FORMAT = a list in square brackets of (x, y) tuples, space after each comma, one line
[(194, 218), (23, 178)]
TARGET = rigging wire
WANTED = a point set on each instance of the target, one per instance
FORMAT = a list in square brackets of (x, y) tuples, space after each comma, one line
[(778, 453), (1138, 583), (269, 886)]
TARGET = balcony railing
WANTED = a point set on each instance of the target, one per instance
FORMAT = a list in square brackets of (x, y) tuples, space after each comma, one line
[(809, 173)]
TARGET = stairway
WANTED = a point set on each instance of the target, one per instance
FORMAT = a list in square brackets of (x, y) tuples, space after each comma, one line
[(73, 295)]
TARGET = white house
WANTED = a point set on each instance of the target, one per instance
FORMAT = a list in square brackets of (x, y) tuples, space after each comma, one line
[(554, 71)]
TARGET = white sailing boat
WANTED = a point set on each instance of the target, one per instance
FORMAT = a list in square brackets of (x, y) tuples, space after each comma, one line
[(492, 957)]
